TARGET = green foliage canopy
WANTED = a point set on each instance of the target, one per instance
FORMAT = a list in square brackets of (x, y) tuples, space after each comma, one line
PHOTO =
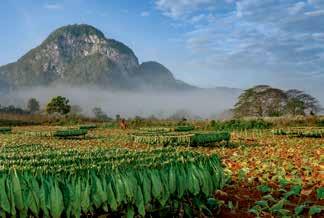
[(263, 100), (58, 104), (33, 105)]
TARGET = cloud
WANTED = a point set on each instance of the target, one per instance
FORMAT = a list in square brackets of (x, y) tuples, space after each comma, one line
[(202, 18), (198, 18), (319, 36), (53, 6), (257, 41), (145, 14), (315, 13), (316, 3), (296, 8), (180, 8)]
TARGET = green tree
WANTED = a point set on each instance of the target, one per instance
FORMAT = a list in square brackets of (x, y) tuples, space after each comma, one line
[(261, 101), (264, 100), (118, 117), (33, 105), (301, 103), (99, 114), (59, 105)]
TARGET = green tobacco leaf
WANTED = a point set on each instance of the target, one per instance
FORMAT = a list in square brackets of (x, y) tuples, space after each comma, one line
[(17, 191), (295, 190), (269, 197), (264, 188), (172, 180), (56, 201), (188, 210), (283, 212), (262, 203), (119, 189), (299, 209), (11, 198), (70, 182), (139, 201), (5, 205), (98, 195), (130, 212), (278, 206), (34, 201), (242, 174), (320, 193), (42, 199), (315, 210), (111, 198), (156, 184), (256, 210), (76, 204), (85, 199), (147, 188), (283, 182)]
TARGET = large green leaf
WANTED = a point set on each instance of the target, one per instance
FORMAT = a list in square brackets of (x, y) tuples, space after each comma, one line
[(56, 201), (98, 196), (147, 187), (139, 201), (85, 196), (17, 192), (156, 184), (4, 201), (111, 198), (172, 180)]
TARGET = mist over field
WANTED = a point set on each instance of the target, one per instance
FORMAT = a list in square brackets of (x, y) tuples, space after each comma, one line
[(202, 103)]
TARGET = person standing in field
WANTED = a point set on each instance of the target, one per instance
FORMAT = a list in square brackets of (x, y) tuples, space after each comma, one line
[(122, 124)]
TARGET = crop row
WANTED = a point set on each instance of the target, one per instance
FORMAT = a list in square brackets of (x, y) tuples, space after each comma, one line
[(59, 133), (72, 182), (88, 127), (190, 139), (5, 129), (168, 129), (300, 133)]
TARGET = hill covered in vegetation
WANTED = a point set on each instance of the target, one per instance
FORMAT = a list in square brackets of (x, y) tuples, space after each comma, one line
[(81, 55)]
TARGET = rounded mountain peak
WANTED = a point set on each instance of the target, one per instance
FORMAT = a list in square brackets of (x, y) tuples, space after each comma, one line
[(75, 30), (153, 64), (153, 68)]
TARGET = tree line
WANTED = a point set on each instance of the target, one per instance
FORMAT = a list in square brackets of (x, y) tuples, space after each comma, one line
[(258, 101), (58, 105)]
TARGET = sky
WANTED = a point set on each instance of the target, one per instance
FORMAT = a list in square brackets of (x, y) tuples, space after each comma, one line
[(208, 43)]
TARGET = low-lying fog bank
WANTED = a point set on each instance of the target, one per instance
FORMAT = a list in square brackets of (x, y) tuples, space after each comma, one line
[(204, 103)]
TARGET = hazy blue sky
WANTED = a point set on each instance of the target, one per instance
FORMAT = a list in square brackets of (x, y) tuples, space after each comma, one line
[(237, 43)]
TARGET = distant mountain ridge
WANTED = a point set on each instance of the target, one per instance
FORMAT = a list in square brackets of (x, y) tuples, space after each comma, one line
[(81, 55)]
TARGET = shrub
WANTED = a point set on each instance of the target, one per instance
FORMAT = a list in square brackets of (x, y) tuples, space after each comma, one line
[(240, 125), (211, 137), (88, 127), (5, 130), (184, 128)]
